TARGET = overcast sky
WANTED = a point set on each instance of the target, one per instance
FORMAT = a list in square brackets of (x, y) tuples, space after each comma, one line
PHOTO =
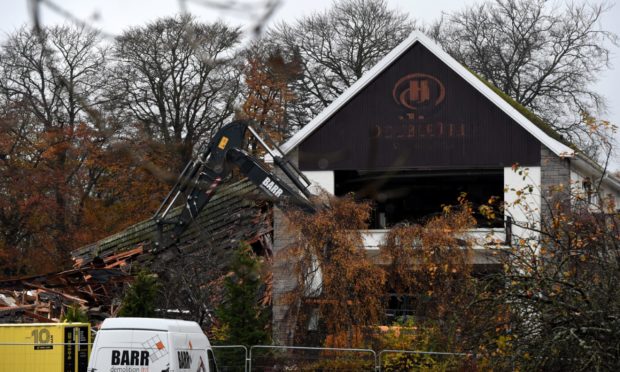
[(112, 16)]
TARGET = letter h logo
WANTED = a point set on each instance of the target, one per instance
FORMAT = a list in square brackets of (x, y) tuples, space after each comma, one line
[(418, 91)]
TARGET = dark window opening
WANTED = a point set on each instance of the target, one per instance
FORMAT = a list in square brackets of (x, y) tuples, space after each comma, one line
[(419, 306), (416, 196), (399, 307)]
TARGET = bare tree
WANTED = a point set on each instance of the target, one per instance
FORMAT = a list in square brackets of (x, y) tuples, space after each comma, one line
[(57, 73), (178, 78), (544, 55), (561, 282), (336, 48), (193, 285), (51, 86)]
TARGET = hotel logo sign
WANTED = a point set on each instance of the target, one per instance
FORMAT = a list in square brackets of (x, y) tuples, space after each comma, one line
[(420, 93)]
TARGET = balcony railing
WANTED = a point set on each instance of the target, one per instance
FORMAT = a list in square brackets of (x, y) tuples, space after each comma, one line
[(483, 237)]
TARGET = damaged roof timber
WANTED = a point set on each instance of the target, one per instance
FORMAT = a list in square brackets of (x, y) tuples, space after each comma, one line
[(237, 213)]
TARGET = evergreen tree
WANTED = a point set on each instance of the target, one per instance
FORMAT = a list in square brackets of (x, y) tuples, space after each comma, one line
[(244, 320), (74, 314), (140, 297)]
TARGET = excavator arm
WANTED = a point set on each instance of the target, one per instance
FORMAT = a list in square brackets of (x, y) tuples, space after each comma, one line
[(201, 177)]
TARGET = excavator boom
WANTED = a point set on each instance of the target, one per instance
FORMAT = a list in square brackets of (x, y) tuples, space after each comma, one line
[(213, 164)]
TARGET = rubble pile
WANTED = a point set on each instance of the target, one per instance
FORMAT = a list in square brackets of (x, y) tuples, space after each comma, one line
[(237, 213)]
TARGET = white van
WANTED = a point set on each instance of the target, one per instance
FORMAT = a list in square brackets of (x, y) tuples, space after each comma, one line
[(151, 345)]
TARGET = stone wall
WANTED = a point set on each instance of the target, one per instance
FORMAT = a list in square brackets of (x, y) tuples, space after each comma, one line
[(284, 278), (555, 182)]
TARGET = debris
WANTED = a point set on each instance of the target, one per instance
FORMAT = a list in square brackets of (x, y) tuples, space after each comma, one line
[(238, 213)]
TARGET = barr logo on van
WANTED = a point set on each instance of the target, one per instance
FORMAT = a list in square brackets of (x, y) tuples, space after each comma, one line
[(130, 358)]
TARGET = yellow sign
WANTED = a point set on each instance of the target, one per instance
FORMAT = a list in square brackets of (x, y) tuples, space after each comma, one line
[(223, 142), (44, 347)]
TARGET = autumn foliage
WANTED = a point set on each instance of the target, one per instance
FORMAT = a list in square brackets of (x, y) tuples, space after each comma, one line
[(47, 177), (64, 188), (72, 171), (267, 94), (432, 261), (347, 290), (334, 275)]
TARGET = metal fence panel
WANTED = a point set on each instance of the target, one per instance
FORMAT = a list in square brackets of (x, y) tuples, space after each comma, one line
[(52, 357), (231, 358), (299, 358)]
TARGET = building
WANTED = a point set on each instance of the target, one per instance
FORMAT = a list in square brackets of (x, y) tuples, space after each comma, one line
[(412, 134), (418, 129)]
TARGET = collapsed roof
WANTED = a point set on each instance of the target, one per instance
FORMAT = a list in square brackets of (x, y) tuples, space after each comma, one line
[(237, 213)]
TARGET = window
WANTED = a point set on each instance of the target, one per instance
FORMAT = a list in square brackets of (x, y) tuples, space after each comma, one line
[(212, 365), (415, 196)]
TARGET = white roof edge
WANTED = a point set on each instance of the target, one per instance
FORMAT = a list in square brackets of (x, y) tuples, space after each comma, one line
[(555, 146), (587, 166), (348, 94), (170, 325)]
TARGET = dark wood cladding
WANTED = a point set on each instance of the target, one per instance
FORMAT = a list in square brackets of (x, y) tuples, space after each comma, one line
[(418, 114)]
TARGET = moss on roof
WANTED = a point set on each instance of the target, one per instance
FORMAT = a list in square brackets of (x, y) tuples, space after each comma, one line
[(543, 125), (529, 115)]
